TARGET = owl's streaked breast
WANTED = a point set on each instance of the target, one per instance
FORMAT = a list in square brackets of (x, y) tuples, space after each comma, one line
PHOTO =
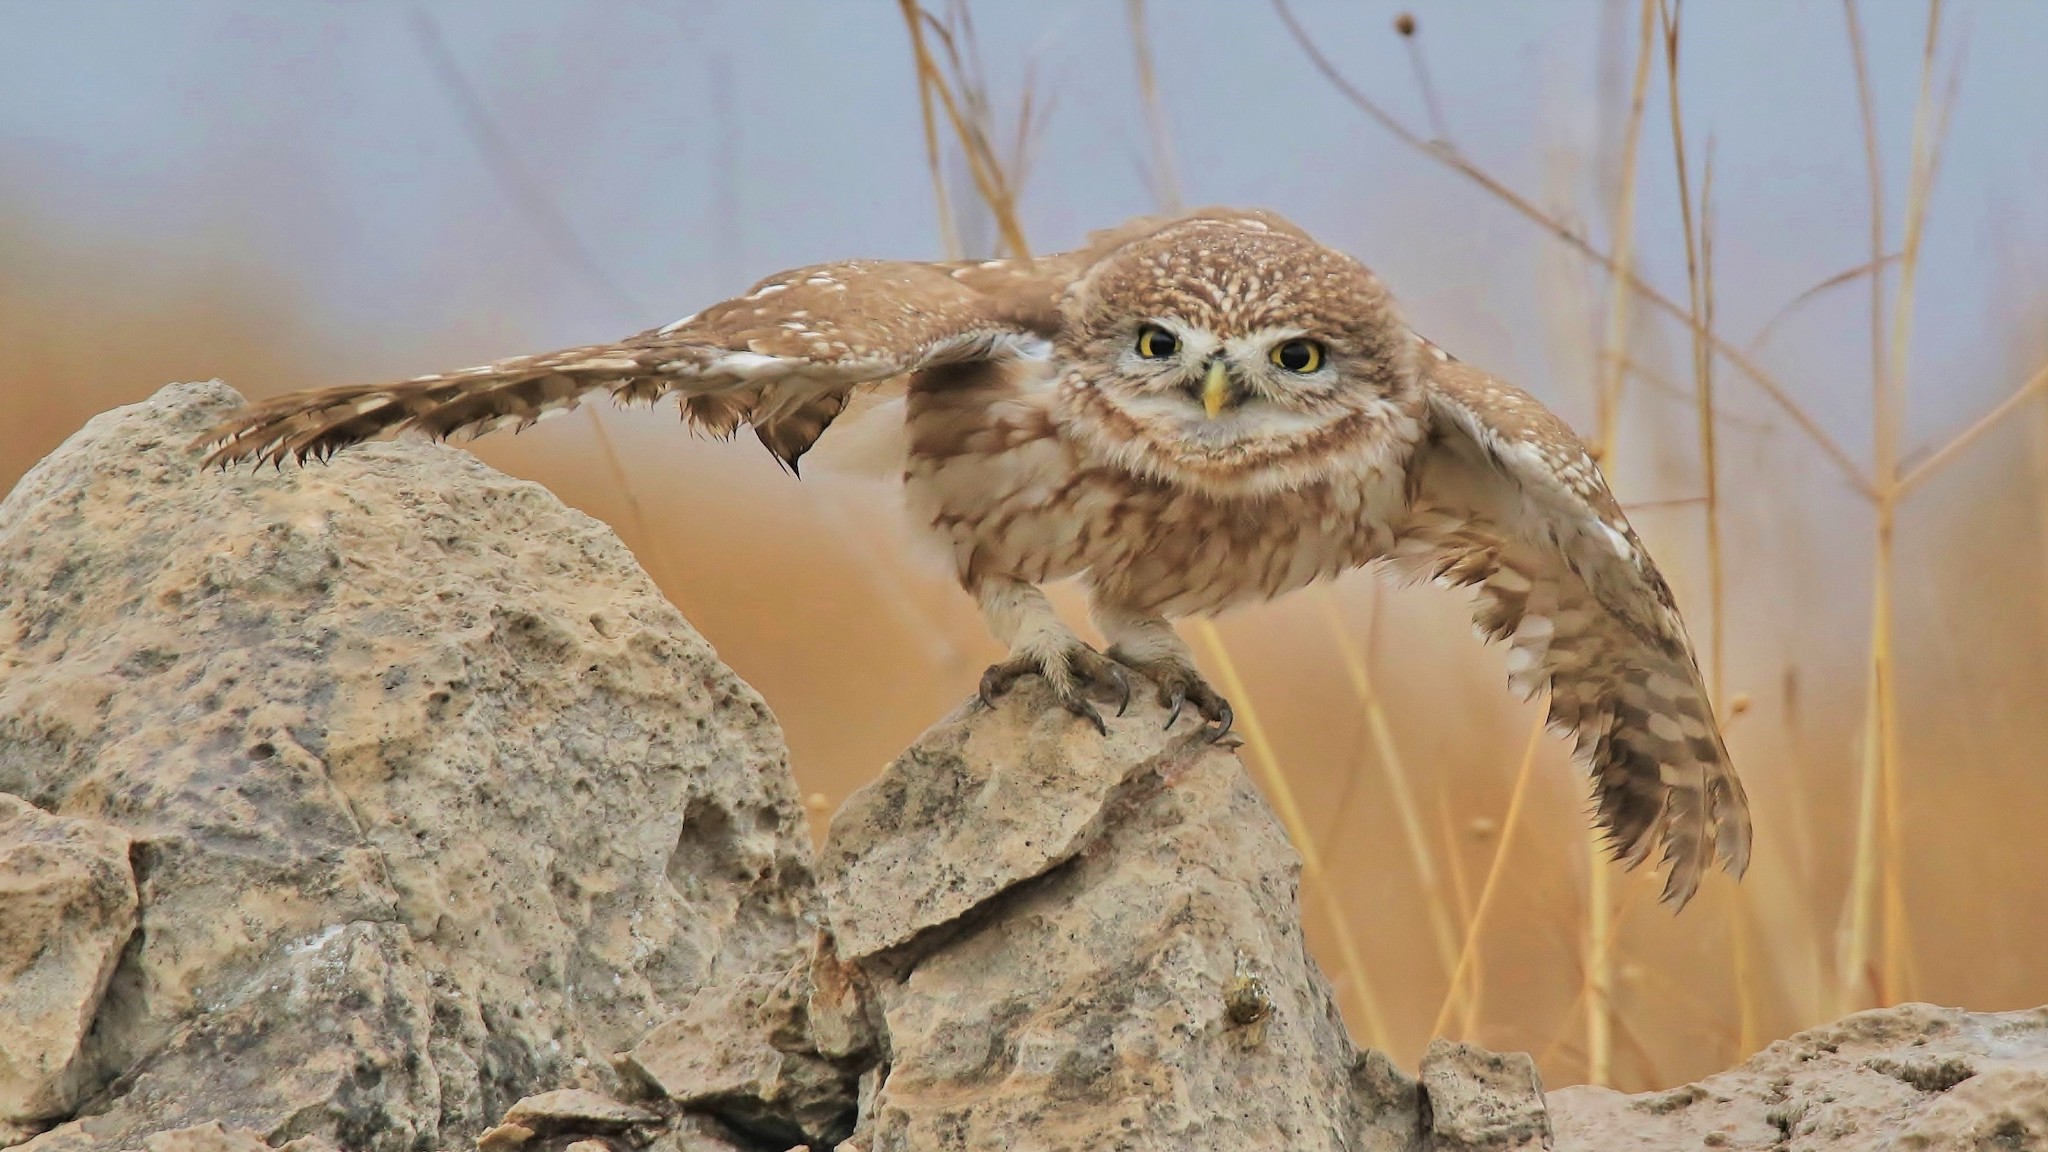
[(992, 474)]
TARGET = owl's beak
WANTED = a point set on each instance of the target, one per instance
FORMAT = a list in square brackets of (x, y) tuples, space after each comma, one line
[(1215, 389)]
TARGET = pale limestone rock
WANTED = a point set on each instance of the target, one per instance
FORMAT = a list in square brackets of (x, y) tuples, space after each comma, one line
[(743, 1052), (212, 1136), (67, 908), (576, 1110), (1049, 926), (435, 801), (503, 1137), (1911, 1077), (1482, 1100)]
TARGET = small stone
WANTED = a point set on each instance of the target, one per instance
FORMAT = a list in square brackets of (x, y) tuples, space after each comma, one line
[(503, 1137), (1483, 1100), (575, 1109), (212, 1136), (67, 908)]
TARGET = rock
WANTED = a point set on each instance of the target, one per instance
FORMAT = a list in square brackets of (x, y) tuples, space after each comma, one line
[(702, 1134), (503, 1137), (209, 1137), (743, 1052), (576, 1110), (67, 909), (1077, 942), (1480, 1099), (1910, 1077), (434, 801)]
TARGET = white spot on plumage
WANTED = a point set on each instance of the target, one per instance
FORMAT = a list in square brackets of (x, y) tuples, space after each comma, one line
[(749, 365)]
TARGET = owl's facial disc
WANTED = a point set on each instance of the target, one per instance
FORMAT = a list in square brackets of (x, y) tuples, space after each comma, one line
[(1214, 391), (1233, 357)]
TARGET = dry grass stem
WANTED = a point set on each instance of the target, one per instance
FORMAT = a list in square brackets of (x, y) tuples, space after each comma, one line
[(1870, 925), (1577, 241), (1357, 976), (1792, 306), (1954, 448), (927, 73), (1443, 932), (1165, 173), (1596, 989), (1614, 346), (1468, 952), (1410, 33)]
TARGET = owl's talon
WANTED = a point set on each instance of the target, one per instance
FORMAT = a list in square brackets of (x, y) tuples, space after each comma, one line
[(1223, 722), (1086, 711), (1070, 674), (1175, 699), (1180, 685)]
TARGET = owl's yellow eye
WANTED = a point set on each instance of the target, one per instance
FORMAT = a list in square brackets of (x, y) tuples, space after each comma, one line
[(1302, 356), (1156, 343)]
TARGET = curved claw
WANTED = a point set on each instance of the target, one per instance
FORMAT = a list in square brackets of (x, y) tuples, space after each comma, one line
[(997, 680), (1176, 699), (1222, 726), (1086, 711), (1085, 667)]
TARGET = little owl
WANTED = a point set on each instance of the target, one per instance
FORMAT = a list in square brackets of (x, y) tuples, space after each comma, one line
[(1188, 413)]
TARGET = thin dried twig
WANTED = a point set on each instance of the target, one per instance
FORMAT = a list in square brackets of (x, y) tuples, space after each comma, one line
[(1945, 455), (927, 73), (1614, 348), (1576, 240), (1165, 172), (1597, 985), (1282, 794), (983, 164), (1393, 767), (1467, 955), (1410, 31), (1877, 819), (1847, 276)]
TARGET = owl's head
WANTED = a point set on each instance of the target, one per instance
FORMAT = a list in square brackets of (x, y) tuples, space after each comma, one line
[(1227, 352)]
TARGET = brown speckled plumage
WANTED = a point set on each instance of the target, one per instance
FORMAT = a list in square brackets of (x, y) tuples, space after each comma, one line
[(1042, 440)]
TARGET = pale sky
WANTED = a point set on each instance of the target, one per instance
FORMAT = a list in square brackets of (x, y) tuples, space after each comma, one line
[(319, 139)]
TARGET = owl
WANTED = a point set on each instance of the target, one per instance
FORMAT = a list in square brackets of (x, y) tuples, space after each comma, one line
[(1187, 413)]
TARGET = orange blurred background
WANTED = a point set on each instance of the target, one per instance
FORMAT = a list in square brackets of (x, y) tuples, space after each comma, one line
[(287, 197)]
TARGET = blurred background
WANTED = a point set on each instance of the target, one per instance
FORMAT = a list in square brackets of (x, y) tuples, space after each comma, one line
[(1797, 297)]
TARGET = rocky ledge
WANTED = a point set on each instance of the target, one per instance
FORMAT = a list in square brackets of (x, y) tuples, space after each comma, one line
[(387, 805)]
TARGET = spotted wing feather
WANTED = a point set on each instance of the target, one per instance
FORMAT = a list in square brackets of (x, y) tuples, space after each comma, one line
[(1506, 501), (783, 359)]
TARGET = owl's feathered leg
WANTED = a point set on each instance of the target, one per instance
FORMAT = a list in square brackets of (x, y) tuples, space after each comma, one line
[(1147, 643), (1042, 645)]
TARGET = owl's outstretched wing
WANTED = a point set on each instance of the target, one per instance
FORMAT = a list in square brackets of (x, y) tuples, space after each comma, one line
[(784, 359), (1506, 500)]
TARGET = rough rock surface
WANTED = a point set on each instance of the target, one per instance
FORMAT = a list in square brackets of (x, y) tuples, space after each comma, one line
[(67, 909), (1067, 942), (1914, 1077), (1479, 1099), (386, 805), (435, 802)]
